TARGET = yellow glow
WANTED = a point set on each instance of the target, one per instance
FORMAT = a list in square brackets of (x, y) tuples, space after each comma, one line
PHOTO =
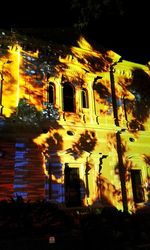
[(92, 129), (18, 84)]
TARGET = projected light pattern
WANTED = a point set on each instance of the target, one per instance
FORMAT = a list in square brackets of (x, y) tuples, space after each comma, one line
[(20, 171), (102, 100)]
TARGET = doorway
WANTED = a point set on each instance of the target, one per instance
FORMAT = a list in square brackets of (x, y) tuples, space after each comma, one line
[(72, 187)]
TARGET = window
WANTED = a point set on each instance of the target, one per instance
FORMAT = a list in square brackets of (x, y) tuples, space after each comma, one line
[(84, 98), (51, 93), (138, 192), (68, 98)]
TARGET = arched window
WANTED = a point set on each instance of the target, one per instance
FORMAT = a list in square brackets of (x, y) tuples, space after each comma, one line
[(84, 98), (51, 93), (68, 98)]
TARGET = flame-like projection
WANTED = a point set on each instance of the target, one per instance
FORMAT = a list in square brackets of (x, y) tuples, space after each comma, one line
[(74, 126)]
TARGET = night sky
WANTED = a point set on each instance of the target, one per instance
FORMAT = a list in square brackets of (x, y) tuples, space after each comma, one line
[(127, 35)]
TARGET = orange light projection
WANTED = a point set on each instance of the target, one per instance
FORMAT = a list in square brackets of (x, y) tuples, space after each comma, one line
[(96, 155), (21, 80)]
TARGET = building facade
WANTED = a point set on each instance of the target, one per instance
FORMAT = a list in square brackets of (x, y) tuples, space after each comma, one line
[(74, 126)]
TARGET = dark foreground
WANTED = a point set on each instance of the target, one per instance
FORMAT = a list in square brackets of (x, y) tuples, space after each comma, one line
[(42, 226)]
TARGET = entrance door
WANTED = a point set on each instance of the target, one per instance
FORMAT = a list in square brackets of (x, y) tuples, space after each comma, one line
[(72, 187), (138, 192)]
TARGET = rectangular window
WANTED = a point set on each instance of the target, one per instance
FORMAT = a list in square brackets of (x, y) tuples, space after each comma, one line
[(138, 192), (51, 93), (84, 99)]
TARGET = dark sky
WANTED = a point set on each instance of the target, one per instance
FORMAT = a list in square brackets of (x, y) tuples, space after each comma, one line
[(127, 35)]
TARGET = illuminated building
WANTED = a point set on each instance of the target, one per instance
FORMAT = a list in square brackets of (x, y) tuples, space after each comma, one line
[(74, 126)]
